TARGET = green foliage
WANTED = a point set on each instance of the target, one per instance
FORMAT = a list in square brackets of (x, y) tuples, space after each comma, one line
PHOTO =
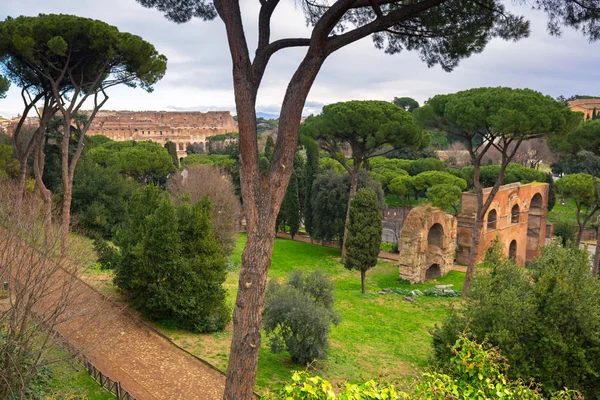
[(364, 233), (146, 162), (172, 149), (514, 173), (439, 140), (311, 170), (108, 255), (445, 196), (4, 85), (429, 179), (269, 148), (298, 315), (394, 164), (580, 187), (475, 371), (566, 231), (171, 266), (291, 206), (551, 191), (406, 103), (330, 199), (99, 197), (95, 53), (427, 164), (545, 321), (9, 166), (585, 137)]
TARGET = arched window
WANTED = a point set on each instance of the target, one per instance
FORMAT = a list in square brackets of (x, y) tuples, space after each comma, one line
[(514, 214), (536, 202), (512, 250), (491, 220)]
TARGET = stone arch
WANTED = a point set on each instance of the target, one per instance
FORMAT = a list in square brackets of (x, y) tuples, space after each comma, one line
[(435, 237), (514, 214), (434, 271), (536, 202), (512, 250), (492, 219)]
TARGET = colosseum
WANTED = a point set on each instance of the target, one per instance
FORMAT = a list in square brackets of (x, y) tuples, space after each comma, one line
[(182, 128)]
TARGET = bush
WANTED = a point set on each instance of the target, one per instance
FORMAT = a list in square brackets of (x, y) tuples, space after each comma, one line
[(475, 371), (297, 316), (546, 320), (566, 231), (108, 256)]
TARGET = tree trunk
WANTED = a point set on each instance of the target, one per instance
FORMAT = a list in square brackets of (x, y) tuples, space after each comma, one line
[(597, 254), (353, 190), (362, 281), (38, 169), (21, 182), (475, 238)]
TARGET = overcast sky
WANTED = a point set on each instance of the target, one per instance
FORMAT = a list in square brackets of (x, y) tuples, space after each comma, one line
[(199, 67)]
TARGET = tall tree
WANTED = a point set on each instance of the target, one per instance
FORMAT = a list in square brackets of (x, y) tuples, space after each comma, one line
[(580, 187), (407, 103), (499, 118), (291, 206), (172, 149), (77, 59), (427, 26), (364, 233), (368, 129), (312, 168)]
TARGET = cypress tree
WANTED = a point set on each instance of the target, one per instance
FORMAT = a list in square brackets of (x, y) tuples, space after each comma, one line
[(364, 233), (172, 149), (269, 148), (291, 206), (312, 168), (594, 113)]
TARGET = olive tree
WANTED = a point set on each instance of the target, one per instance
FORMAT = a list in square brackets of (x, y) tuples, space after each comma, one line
[(442, 31)]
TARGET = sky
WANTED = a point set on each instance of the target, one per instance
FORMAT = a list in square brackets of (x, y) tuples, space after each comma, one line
[(198, 73)]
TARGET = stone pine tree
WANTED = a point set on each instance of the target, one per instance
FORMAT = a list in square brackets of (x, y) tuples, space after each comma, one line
[(407, 103), (442, 32), (580, 187), (366, 128), (499, 118), (75, 60), (364, 233)]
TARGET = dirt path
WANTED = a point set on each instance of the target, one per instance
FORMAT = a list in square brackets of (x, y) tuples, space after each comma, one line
[(120, 344)]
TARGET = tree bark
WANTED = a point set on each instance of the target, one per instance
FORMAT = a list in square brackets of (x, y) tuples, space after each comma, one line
[(38, 170), (353, 190), (362, 280)]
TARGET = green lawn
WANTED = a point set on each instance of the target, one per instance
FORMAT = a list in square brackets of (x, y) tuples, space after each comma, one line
[(379, 336), (566, 212)]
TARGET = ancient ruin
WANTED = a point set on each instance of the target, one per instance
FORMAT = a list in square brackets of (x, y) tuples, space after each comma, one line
[(517, 217), (182, 128), (427, 244)]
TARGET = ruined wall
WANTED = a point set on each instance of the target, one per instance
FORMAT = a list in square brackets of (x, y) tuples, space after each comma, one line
[(427, 244), (182, 128), (517, 216)]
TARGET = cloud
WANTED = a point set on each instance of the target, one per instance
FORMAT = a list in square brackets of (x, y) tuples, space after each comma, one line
[(199, 69)]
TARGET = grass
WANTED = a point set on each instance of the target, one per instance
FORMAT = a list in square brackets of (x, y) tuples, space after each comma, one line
[(566, 212), (379, 336), (65, 381)]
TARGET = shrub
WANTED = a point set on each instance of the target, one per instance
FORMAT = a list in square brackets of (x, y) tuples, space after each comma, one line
[(566, 231), (108, 256), (546, 320), (297, 316)]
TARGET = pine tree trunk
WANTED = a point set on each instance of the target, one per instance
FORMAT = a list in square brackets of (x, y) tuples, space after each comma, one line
[(21, 182), (353, 190), (475, 238), (38, 169)]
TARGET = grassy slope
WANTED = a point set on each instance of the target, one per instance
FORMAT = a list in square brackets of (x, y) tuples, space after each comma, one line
[(66, 382), (380, 335)]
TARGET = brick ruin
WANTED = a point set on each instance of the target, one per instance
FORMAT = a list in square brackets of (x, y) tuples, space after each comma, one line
[(182, 128), (426, 245), (517, 217), (430, 238)]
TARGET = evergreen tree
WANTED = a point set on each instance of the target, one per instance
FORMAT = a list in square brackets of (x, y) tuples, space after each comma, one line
[(364, 233), (269, 148), (171, 266), (312, 168), (291, 206), (594, 114), (172, 149)]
